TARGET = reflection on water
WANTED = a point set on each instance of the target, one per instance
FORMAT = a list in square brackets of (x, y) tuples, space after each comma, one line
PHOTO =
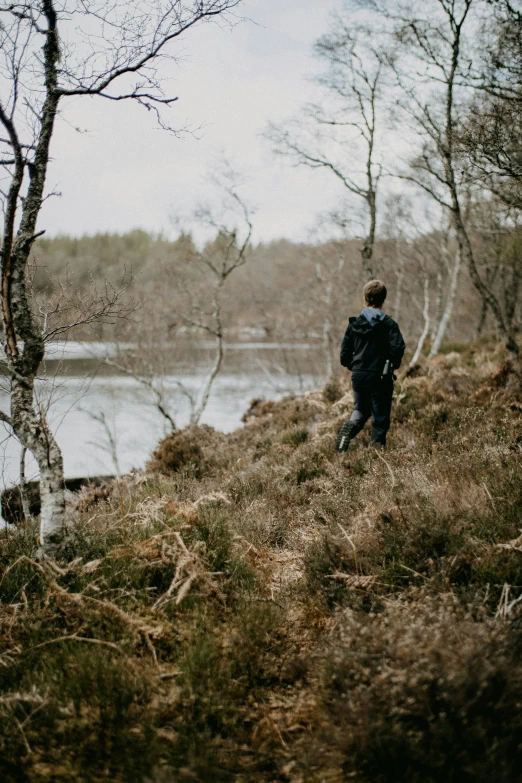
[(87, 414)]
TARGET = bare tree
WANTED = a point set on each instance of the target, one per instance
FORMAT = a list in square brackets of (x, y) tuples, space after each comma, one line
[(496, 230), (426, 327), (202, 287), (49, 53), (110, 443), (434, 43), (488, 134), (396, 229), (488, 141), (341, 134), (328, 277), (141, 363), (221, 258), (449, 266)]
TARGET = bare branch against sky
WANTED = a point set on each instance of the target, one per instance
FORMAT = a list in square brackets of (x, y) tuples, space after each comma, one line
[(228, 83)]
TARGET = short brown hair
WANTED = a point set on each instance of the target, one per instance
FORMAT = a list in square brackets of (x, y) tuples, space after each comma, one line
[(374, 293)]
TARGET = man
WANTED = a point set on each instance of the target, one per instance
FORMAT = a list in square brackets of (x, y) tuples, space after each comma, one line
[(372, 349)]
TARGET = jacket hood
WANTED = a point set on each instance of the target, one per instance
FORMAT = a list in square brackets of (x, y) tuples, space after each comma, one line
[(373, 315), (362, 324)]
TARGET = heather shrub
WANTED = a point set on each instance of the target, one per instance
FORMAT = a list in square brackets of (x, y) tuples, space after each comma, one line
[(178, 452), (333, 390), (295, 436), (86, 715), (191, 450), (420, 692)]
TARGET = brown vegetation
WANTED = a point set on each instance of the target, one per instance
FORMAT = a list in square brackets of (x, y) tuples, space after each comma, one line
[(259, 607)]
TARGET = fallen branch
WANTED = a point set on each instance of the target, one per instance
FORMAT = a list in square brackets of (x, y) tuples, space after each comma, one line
[(354, 580), (189, 568)]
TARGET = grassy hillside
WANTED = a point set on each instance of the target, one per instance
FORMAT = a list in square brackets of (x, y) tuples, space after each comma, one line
[(257, 607)]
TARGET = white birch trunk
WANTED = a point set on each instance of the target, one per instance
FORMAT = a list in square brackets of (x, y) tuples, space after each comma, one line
[(26, 507), (400, 280), (448, 309), (327, 331), (33, 432), (425, 331), (217, 331), (438, 307), (205, 394), (327, 335)]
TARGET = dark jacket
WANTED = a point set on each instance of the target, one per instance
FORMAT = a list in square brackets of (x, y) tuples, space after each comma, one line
[(366, 346)]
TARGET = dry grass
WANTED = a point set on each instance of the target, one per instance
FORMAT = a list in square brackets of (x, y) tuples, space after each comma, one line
[(258, 607)]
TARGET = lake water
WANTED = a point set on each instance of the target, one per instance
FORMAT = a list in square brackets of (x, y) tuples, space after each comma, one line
[(109, 423)]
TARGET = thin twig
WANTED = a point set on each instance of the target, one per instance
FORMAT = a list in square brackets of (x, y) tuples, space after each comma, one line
[(75, 638), (394, 483)]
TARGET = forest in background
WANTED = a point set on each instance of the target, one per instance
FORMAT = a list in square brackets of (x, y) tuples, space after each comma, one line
[(439, 223), (285, 291)]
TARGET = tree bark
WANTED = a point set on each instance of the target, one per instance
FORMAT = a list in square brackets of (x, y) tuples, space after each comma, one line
[(425, 331), (29, 425), (26, 504), (438, 307), (34, 434), (218, 361), (367, 249), (465, 249), (399, 257), (31, 73), (327, 332), (485, 292), (448, 309)]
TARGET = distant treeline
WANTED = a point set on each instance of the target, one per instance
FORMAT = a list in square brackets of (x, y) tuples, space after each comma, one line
[(285, 290)]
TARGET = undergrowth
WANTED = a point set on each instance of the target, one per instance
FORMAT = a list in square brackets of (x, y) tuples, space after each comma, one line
[(258, 607)]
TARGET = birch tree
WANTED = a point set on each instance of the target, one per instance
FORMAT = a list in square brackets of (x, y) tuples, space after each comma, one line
[(51, 52), (441, 325), (426, 326), (221, 258), (202, 286), (328, 279), (489, 133), (340, 135), (434, 56), (396, 226), (496, 229)]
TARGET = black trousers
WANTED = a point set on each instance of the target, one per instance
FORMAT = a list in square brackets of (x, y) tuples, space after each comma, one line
[(372, 397)]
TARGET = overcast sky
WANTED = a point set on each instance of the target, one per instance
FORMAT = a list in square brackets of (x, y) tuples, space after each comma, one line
[(123, 173)]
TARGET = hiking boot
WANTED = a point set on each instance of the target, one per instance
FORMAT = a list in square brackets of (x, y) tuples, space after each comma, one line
[(346, 433)]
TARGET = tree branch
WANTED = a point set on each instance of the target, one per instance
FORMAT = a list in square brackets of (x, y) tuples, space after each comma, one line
[(6, 419)]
